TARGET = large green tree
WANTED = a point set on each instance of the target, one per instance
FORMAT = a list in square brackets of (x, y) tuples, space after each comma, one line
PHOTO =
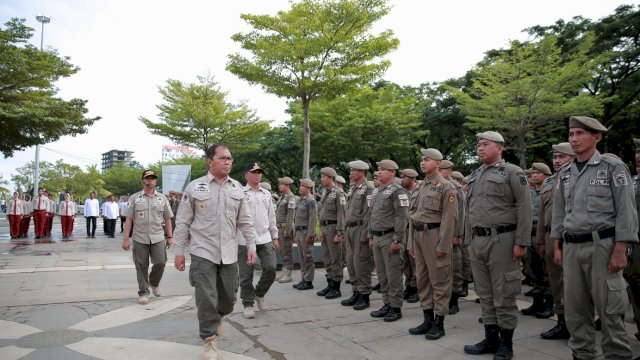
[(30, 112), (528, 91), (122, 179), (198, 115), (317, 49)]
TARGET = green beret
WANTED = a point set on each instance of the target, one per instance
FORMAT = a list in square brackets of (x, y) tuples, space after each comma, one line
[(585, 122), (359, 165), (409, 173), (432, 154), (306, 183), (328, 172), (387, 164), (445, 164), (563, 148), (491, 136), (285, 180)]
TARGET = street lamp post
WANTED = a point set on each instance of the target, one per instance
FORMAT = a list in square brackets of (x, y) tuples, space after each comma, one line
[(43, 19)]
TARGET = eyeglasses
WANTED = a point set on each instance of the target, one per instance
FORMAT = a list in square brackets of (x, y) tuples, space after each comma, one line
[(225, 159)]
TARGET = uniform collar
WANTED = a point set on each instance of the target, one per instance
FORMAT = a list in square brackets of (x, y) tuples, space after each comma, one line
[(213, 178)]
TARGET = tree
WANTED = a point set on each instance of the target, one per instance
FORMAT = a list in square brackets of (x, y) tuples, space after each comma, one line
[(199, 116), (122, 179), (527, 92), (30, 112), (316, 49), (88, 181)]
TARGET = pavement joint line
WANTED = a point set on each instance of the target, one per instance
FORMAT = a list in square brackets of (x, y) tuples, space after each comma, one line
[(274, 354)]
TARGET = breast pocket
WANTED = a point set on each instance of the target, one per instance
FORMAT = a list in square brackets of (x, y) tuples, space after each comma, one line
[(432, 201), (599, 199), (495, 186), (233, 203), (203, 205), (413, 202)]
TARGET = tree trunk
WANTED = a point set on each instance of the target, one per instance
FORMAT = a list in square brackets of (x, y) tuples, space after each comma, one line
[(522, 150), (306, 139)]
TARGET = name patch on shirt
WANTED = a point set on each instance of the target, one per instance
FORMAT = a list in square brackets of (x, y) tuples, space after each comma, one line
[(159, 201), (201, 187), (620, 179), (599, 182), (387, 192), (140, 200)]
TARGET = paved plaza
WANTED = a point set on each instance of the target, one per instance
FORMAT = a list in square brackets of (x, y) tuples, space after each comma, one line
[(77, 300)]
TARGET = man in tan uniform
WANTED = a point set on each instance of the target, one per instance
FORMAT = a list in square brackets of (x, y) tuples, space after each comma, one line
[(562, 154), (433, 216), (498, 231), (331, 212), (285, 213), (595, 216), (212, 208), (305, 226), (458, 234), (387, 221), (359, 255), (408, 181)]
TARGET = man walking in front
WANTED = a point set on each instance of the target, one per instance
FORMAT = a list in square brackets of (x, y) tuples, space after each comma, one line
[(146, 211), (264, 223), (212, 208), (594, 217), (499, 231)]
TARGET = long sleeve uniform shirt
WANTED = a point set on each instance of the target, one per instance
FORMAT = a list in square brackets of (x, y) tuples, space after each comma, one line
[(305, 215), (110, 210), (16, 207), (41, 202), (389, 210), (67, 208), (264, 217), (286, 211), (332, 206), (209, 215), (91, 207)]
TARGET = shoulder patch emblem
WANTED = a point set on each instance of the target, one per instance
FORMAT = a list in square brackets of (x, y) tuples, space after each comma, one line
[(452, 198), (343, 201), (438, 184), (620, 179), (523, 180), (403, 196), (404, 203), (185, 197)]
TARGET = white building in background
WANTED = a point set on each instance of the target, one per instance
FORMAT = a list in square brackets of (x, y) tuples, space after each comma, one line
[(170, 152)]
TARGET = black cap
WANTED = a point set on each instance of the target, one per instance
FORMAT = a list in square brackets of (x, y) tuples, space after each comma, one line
[(252, 167), (148, 173)]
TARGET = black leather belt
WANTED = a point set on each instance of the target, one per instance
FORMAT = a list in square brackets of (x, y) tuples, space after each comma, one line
[(300, 228), (534, 231), (355, 223), (328, 222), (481, 231), (383, 232), (428, 226), (586, 237)]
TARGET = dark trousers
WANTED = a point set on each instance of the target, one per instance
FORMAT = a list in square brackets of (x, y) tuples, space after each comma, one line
[(122, 221), (91, 225), (111, 227), (141, 254)]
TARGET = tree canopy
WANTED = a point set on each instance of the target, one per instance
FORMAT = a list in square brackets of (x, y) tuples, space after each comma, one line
[(30, 112)]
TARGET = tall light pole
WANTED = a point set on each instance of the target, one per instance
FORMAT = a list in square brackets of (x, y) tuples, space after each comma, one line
[(43, 19)]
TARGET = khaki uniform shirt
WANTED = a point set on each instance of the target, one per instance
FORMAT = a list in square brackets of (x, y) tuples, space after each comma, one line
[(389, 210), (535, 206), (597, 198), (148, 214), (545, 208), (358, 203), (305, 215), (67, 208), (332, 206), (498, 195), (636, 187), (286, 211), (209, 215), (461, 200), (435, 201), (16, 207)]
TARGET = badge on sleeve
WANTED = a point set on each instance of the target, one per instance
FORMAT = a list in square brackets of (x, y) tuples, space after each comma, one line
[(620, 179), (343, 201), (202, 205), (452, 198), (523, 180), (185, 197)]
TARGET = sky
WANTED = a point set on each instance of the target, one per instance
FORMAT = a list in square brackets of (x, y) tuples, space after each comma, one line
[(127, 49)]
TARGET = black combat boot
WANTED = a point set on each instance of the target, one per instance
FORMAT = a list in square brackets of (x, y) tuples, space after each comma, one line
[(505, 350), (307, 285), (324, 291), (413, 295), (352, 300), (537, 305), (636, 334), (453, 304), (490, 343), (465, 289), (426, 324), (559, 331), (406, 292), (382, 312), (437, 330), (334, 292), (393, 314), (547, 307), (376, 287), (363, 302), (295, 286)]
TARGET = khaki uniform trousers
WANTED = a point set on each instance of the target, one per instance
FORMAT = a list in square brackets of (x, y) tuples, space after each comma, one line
[(434, 275), (286, 249), (497, 278), (141, 254), (554, 272), (586, 276), (632, 275), (409, 270), (456, 262), (359, 259), (305, 254), (466, 264), (331, 252), (389, 269)]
